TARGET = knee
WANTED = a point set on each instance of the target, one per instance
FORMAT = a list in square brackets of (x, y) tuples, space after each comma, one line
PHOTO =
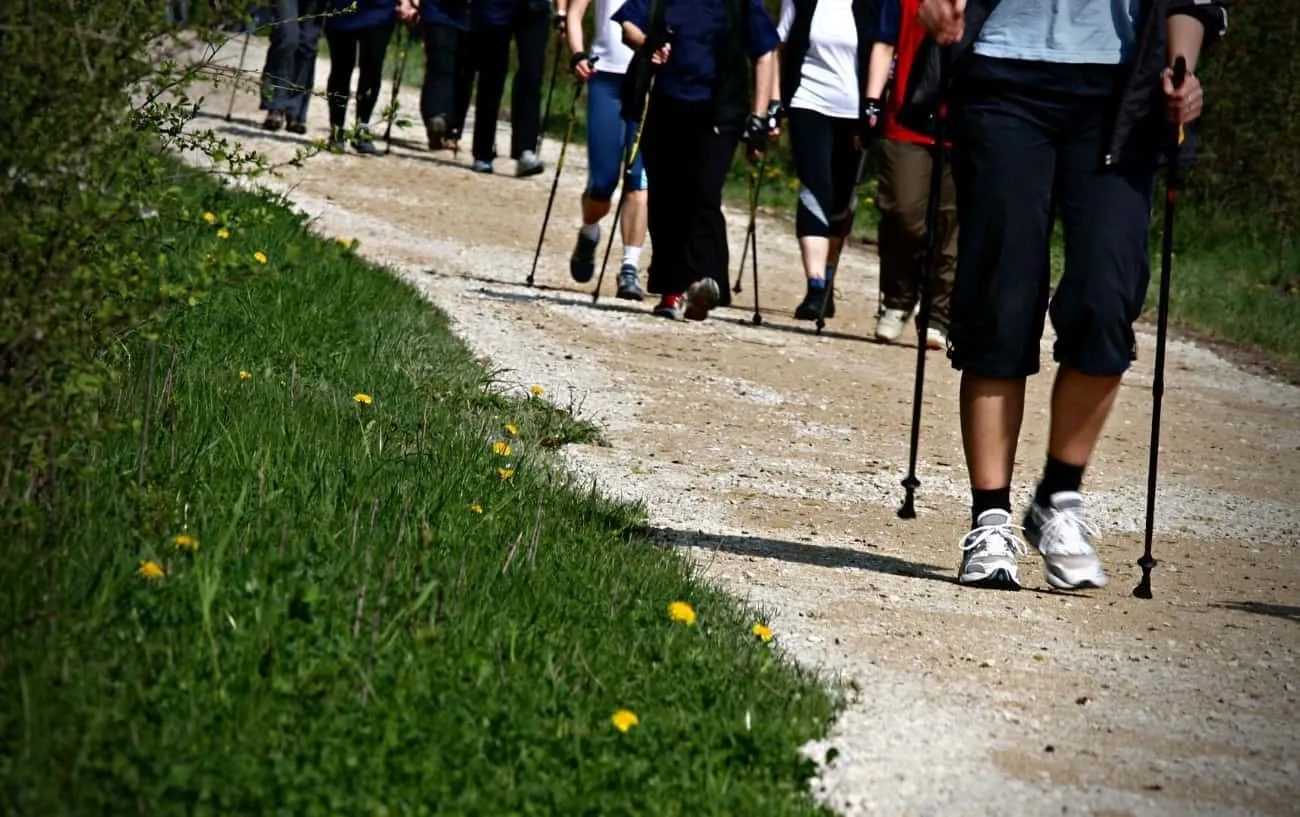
[(1094, 329)]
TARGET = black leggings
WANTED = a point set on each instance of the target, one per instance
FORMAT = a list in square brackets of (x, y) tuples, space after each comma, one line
[(827, 165), (372, 43)]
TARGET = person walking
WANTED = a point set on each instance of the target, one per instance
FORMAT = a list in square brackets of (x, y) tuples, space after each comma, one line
[(358, 32), (610, 139), (494, 24), (1056, 106), (823, 73), (903, 189), (289, 73), (448, 71), (696, 116)]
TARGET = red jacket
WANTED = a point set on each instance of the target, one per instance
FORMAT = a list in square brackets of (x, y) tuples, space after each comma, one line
[(909, 33)]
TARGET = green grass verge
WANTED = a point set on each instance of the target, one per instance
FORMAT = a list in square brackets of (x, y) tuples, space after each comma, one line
[(351, 635)]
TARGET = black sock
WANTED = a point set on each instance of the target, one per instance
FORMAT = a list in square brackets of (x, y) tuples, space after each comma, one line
[(988, 500), (1057, 476)]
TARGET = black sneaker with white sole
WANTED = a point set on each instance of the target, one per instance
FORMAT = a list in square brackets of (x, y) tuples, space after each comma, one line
[(989, 551)]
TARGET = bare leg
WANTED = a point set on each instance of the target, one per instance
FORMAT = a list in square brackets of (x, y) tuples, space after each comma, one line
[(991, 412), (815, 251), (593, 211), (634, 219), (1080, 405)]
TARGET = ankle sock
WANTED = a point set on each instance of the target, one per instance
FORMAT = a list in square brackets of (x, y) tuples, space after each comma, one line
[(816, 283), (989, 499), (631, 256), (591, 231), (1057, 476)]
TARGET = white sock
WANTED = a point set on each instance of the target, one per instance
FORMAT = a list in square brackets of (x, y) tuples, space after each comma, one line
[(632, 256), (591, 231)]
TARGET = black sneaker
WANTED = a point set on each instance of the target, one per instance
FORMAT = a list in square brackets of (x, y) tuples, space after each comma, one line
[(274, 121), (810, 308), (582, 264), (298, 126), (629, 288)]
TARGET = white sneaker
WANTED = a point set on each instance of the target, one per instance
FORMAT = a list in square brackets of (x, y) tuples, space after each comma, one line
[(528, 164), (889, 325), (989, 552), (1061, 534), (935, 339)]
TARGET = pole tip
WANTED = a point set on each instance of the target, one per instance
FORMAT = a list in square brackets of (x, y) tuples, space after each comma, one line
[(1143, 589)]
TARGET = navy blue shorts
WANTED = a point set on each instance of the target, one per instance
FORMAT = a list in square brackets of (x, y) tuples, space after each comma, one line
[(1023, 154)]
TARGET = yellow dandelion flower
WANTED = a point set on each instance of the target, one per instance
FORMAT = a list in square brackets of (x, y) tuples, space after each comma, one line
[(363, 398), (761, 631), (506, 474), (183, 541), (474, 508), (512, 429), (501, 448), (345, 243), (683, 612), (537, 391), (150, 570), (210, 218), (223, 234), (243, 375), (259, 257), (624, 719)]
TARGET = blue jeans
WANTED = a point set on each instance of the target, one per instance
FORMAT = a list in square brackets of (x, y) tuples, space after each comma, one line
[(609, 136)]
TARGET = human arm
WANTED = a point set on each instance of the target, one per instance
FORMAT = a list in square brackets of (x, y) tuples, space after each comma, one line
[(580, 61), (1188, 28), (408, 11), (945, 20)]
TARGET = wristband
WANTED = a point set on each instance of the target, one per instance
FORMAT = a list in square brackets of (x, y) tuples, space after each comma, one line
[(577, 58)]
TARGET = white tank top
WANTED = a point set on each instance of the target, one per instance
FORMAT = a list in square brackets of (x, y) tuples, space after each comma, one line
[(608, 43), (830, 67)]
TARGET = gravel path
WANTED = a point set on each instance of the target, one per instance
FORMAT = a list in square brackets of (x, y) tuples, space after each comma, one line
[(773, 457)]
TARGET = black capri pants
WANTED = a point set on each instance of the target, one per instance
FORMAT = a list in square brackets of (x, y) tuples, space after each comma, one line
[(826, 162), (1020, 154)]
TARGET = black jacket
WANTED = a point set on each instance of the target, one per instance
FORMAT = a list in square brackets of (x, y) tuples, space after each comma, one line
[(1138, 106), (865, 14)]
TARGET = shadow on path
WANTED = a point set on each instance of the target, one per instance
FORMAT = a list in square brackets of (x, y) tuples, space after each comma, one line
[(1286, 611), (801, 553)]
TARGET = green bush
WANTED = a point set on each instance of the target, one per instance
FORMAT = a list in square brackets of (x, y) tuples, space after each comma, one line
[(94, 99)]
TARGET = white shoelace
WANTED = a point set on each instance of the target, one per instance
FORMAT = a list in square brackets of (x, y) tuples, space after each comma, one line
[(1066, 532), (995, 540)]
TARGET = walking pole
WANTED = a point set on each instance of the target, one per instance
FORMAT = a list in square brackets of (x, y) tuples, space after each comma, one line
[(754, 188), (559, 166), (546, 115), (397, 86), (910, 482), (1147, 562), (628, 160), (234, 85), (848, 230)]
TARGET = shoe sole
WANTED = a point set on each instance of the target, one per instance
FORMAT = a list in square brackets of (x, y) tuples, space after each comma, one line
[(630, 295), (668, 313), (530, 171), (700, 298), (1000, 579), (1094, 582), (933, 344)]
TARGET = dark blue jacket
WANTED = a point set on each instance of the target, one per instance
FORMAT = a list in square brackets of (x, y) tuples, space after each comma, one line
[(689, 74), (367, 13), (492, 13), (454, 13)]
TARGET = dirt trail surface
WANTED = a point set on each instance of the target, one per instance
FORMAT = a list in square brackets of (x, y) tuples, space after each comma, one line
[(773, 456)]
